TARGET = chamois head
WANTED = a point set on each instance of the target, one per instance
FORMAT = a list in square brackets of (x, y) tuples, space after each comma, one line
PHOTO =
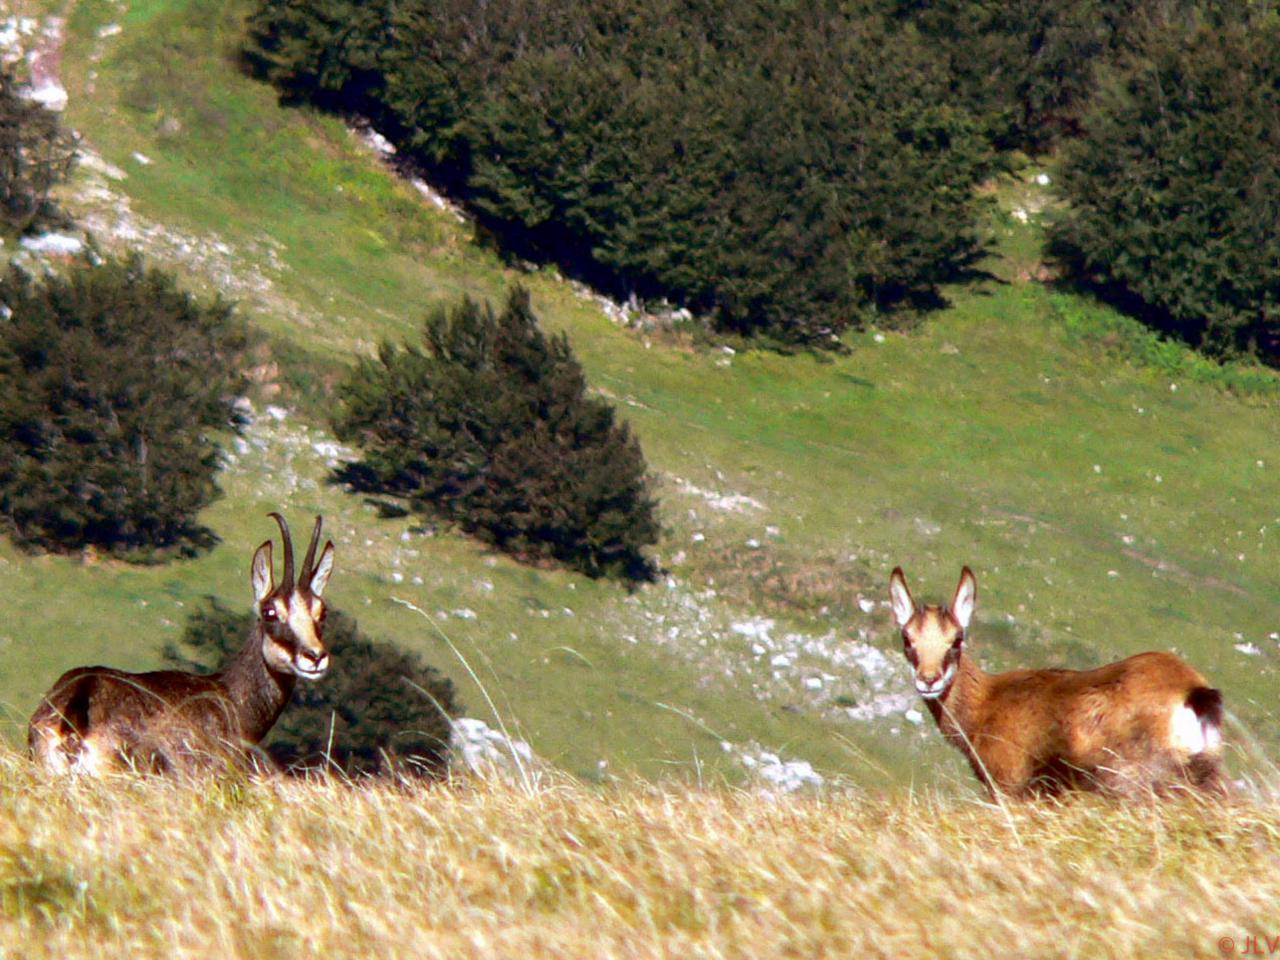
[(291, 616), (933, 637)]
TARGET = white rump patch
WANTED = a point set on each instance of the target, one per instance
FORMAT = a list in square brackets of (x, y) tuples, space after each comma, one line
[(1189, 735), (50, 753), (89, 760)]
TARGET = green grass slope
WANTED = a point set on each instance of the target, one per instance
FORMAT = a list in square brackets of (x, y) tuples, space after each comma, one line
[(1106, 504)]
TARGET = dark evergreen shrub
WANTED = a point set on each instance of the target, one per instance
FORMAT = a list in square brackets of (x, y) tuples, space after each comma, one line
[(786, 169), (490, 426), (35, 154), (378, 709), (112, 383), (1172, 191)]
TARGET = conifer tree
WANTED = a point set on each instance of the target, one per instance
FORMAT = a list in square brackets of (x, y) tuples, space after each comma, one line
[(784, 169), (1172, 209), (35, 154), (490, 425), (112, 384)]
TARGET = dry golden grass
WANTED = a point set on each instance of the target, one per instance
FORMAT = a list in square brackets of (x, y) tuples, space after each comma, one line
[(149, 868)]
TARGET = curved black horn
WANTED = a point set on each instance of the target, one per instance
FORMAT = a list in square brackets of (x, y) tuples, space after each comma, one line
[(287, 581), (304, 578)]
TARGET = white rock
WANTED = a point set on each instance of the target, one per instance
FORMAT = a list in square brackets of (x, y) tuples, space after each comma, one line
[(331, 450), (1248, 649), (379, 143), (789, 776), (50, 95), (757, 629), (728, 502), (482, 751), (813, 683), (62, 244)]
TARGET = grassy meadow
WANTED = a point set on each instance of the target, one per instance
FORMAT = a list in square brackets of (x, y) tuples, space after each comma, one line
[(1112, 493), (289, 869)]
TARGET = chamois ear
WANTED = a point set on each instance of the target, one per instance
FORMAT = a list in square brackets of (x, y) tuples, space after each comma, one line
[(904, 608), (261, 576), (324, 567), (962, 602)]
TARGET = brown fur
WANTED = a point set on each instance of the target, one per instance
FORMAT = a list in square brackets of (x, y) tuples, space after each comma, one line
[(96, 719), (1037, 732)]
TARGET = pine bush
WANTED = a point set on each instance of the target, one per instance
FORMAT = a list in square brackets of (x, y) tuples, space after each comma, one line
[(489, 425), (1172, 191), (36, 153), (112, 385)]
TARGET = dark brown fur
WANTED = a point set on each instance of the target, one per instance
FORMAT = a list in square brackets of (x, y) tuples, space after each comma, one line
[(98, 718)]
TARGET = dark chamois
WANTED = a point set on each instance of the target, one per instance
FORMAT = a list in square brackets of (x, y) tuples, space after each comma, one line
[(97, 719)]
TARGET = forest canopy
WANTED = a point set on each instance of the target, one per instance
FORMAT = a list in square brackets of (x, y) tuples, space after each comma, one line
[(791, 170), (1173, 191)]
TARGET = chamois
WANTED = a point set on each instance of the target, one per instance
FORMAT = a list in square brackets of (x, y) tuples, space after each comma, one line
[(1149, 723), (97, 719)]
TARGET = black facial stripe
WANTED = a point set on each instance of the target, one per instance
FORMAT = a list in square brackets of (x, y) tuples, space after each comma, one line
[(910, 650)]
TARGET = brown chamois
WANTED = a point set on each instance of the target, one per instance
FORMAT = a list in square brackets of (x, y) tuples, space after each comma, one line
[(1149, 723), (97, 719)]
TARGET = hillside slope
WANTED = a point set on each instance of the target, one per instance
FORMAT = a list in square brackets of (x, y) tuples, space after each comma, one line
[(1105, 507)]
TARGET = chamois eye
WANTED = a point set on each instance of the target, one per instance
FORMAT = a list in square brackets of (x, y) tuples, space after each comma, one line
[(269, 612)]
